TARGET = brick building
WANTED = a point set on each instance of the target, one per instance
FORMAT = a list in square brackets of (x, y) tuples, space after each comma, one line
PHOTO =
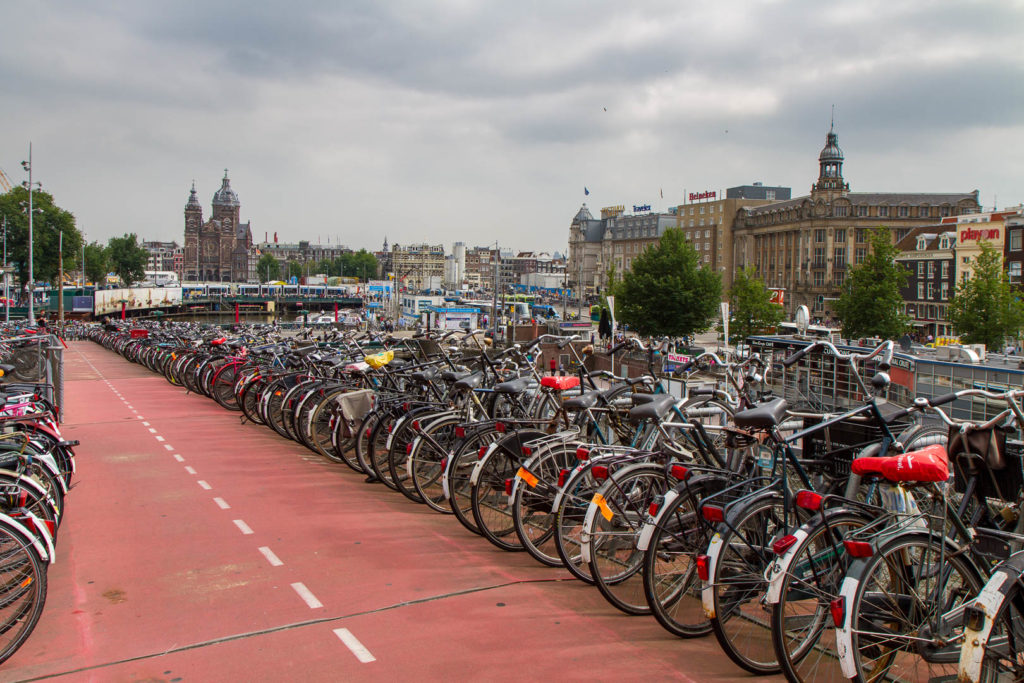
[(217, 250)]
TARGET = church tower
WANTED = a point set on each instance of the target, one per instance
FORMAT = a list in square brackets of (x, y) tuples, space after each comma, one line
[(193, 221)]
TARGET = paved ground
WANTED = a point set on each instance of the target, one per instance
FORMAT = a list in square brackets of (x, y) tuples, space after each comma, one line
[(198, 548)]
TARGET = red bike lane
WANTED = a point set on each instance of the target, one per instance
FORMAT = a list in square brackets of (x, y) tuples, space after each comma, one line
[(199, 547)]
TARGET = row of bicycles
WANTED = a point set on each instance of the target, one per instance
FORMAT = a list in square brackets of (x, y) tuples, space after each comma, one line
[(877, 542), (36, 469)]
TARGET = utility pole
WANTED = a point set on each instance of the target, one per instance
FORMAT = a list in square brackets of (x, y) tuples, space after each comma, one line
[(7, 300), (494, 303), (27, 165), (60, 278)]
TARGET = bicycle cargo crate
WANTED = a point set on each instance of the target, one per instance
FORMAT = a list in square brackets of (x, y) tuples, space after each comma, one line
[(835, 447), (993, 460)]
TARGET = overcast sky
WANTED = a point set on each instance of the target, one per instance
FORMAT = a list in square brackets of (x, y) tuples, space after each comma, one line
[(467, 120)]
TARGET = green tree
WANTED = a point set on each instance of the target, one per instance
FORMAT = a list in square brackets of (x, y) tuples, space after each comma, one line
[(96, 264), (361, 264), (667, 292), (870, 302), (984, 309), (752, 309), (127, 258), (294, 269), (267, 268), (48, 223)]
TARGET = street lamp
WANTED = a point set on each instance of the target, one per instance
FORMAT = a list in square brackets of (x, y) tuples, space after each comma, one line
[(30, 185), (60, 275), (7, 300)]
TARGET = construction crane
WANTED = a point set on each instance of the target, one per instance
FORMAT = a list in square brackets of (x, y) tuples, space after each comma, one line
[(5, 181)]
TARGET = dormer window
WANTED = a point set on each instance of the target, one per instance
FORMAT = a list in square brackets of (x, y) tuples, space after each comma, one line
[(922, 244)]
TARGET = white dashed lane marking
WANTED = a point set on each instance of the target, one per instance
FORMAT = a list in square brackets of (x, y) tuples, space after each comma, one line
[(177, 456), (222, 504), (160, 438), (307, 596), (274, 561), (190, 470), (242, 526), (353, 644), (168, 446), (204, 485)]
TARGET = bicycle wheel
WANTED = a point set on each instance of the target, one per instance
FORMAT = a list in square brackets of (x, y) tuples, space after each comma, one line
[(741, 620), (533, 498), (803, 632), (22, 589), (459, 471), (429, 459), (492, 483), (671, 583), (611, 529), (897, 625)]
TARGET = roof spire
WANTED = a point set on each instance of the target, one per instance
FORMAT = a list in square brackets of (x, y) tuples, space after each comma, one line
[(831, 128)]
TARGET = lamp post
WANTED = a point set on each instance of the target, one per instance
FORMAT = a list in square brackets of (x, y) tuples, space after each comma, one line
[(7, 300), (27, 165)]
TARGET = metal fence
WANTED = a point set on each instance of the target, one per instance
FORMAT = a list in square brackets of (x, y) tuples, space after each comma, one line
[(37, 360)]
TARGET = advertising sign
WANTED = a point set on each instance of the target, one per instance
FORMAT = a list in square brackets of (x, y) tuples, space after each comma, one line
[(698, 196), (674, 361), (109, 301), (778, 296)]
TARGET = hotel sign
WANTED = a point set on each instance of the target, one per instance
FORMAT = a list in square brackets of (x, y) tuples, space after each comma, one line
[(698, 196), (641, 207)]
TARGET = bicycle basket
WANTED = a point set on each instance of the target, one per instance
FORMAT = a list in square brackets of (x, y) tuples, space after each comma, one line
[(986, 456)]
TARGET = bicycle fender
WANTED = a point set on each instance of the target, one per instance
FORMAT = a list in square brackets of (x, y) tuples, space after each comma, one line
[(27, 536), (844, 634), (474, 478), (588, 522), (707, 592), (412, 454), (644, 539), (561, 491), (990, 600)]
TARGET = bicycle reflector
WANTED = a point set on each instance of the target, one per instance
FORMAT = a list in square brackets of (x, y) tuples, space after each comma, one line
[(408, 448), (858, 548), (563, 474), (368, 432), (508, 487), (527, 451), (582, 453), (974, 617), (783, 544), (499, 427), (808, 500), (838, 609), (655, 504), (599, 472), (713, 513), (703, 567), (460, 432), (680, 472), (481, 453), (415, 425)]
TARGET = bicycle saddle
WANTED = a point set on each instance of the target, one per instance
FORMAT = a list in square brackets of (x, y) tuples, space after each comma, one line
[(424, 376), (641, 399), (928, 464), (560, 383), (655, 409), (515, 386), (582, 402), (453, 376), (469, 383), (763, 415)]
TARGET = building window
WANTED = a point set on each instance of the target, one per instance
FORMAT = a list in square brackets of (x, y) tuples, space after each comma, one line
[(707, 234), (860, 235), (707, 246), (691, 222), (943, 211), (839, 277), (769, 195), (1014, 270), (819, 236), (702, 210), (931, 269), (883, 211), (1015, 240), (920, 268), (920, 291), (904, 211), (839, 257), (931, 291), (691, 210), (945, 291), (819, 278), (860, 255), (841, 210), (841, 235), (923, 211), (862, 211), (945, 269)]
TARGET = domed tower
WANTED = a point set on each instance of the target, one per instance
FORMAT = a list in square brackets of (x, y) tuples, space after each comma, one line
[(830, 163), (193, 210), (226, 206)]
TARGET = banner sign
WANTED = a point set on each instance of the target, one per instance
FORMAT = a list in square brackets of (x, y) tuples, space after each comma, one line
[(109, 301)]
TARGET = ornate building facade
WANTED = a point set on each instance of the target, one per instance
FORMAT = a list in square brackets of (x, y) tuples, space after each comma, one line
[(806, 245), (217, 250)]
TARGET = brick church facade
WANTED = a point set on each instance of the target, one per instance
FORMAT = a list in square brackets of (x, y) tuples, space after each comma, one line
[(217, 250)]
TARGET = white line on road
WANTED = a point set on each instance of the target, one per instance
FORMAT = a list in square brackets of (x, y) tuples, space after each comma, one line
[(160, 438), (222, 504), (353, 644), (152, 431), (190, 470), (273, 559), (177, 456), (168, 446), (242, 526), (146, 424), (307, 596), (204, 485)]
